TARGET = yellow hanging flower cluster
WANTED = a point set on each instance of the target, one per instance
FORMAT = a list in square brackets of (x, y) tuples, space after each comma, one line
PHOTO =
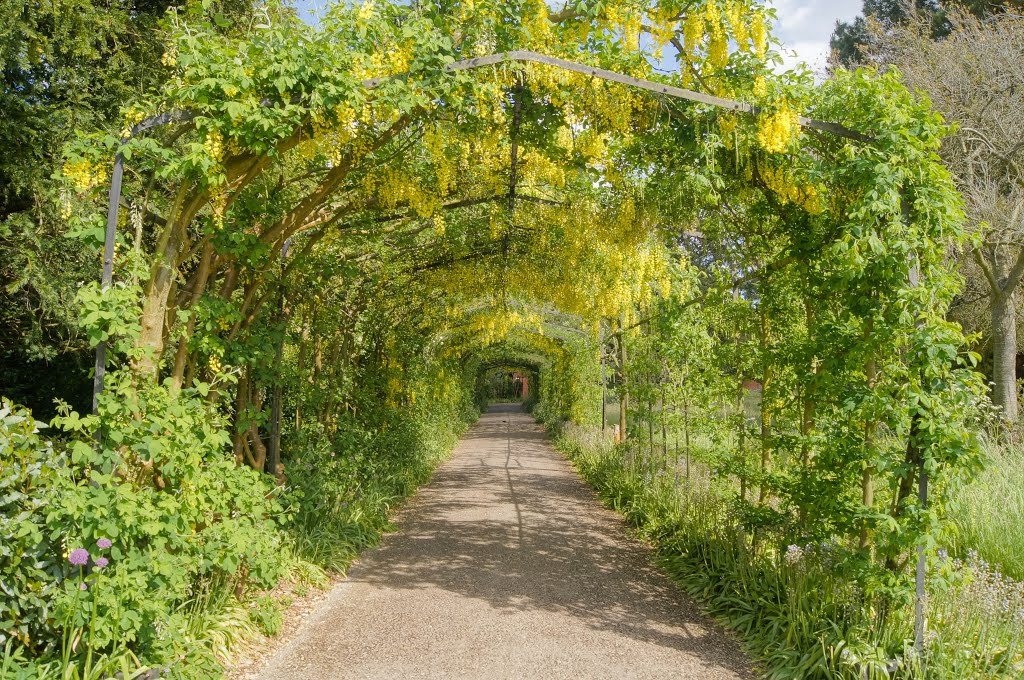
[(564, 139), (392, 186), (727, 125), (783, 185), (214, 146), (759, 35), (631, 31), (693, 34), (591, 145), (775, 131), (399, 59), (444, 169), (663, 28), (538, 169), (718, 44), (760, 86), (332, 138), (466, 9), (132, 117), (536, 24), (84, 174), (366, 11), (218, 206), (734, 15)]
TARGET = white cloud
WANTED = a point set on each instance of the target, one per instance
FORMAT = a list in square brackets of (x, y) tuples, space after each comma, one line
[(805, 28)]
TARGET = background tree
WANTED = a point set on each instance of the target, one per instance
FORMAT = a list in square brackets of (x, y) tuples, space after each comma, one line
[(973, 76), (68, 66), (852, 41)]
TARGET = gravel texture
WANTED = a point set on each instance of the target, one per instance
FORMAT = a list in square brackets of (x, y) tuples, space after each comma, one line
[(506, 566)]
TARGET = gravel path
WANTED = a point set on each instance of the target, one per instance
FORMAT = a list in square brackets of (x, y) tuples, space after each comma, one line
[(505, 566)]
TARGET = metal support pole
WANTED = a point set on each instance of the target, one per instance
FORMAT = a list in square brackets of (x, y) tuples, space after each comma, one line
[(110, 239), (922, 567), (604, 393), (274, 450), (921, 574)]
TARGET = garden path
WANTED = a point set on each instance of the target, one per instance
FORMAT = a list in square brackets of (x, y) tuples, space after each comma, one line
[(506, 566)]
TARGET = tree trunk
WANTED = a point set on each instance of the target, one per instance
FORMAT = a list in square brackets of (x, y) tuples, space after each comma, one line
[(161, 281), (181, 359), (1004, 355)]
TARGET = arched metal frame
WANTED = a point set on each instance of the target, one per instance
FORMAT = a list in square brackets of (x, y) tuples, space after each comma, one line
[(524, 56)]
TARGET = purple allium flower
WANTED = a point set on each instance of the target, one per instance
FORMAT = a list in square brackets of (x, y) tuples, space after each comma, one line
[(104, 543), (83, 586), (101, 562), (79, 557)]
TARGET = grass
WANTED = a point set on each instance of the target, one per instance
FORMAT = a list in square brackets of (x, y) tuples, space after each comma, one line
[(987, 515)]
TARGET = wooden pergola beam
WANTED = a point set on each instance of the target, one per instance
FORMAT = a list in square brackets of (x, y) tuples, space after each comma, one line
[(528, 56)]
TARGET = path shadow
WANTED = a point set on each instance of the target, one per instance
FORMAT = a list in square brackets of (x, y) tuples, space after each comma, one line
[(508, 522)]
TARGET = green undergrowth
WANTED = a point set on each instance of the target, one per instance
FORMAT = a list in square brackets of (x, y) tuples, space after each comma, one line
[(797, 608), (141, 549), (348, 486)]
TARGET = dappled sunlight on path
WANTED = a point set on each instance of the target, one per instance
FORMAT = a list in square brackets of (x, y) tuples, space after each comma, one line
[(505, 565)]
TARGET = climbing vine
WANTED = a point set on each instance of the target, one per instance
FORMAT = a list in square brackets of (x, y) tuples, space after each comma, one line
[(334, 231)]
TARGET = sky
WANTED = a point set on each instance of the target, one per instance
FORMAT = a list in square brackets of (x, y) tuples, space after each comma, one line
[(805, 27)]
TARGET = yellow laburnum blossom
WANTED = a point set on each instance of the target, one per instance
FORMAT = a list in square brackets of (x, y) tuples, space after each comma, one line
[(563, 138), (366, 11), (214, 146), (631, 31), (536, 24), (759, 35), (760, 86), (727, 124), (132, 118), (693, 33), (712, 15), (663, 28), (718, 42), (789, 190), (734, 15), (776, 130), (84, 174), (218, 206), (718, 50)]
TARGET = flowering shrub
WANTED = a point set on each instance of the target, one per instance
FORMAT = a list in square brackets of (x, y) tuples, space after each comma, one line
[(146, 519)]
